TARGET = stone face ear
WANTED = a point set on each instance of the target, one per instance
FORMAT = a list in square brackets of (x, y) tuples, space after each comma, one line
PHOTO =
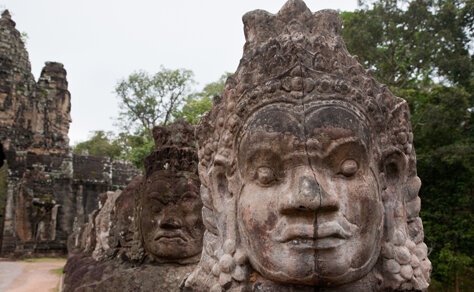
[(394, 166)]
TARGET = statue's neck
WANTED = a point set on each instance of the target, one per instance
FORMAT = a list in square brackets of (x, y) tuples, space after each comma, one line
[(181, 261), (366, 284)]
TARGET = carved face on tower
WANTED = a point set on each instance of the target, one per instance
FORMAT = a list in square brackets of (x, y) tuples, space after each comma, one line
[(309, 195), (171, 222)]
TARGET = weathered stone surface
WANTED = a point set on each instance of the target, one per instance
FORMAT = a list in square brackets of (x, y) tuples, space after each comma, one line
[(306, 163), (123, 227), (149, 236), (49, 188), (122, 276)]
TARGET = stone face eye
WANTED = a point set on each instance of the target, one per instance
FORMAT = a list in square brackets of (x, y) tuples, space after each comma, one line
[(156, 208), (349, 167), (265, 175)]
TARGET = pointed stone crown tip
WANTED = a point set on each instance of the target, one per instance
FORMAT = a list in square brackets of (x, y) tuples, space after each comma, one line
[(294, 16), (6, 14)]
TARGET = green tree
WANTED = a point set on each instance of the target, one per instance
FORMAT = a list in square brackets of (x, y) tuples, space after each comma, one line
[(393, 42), (135, 147), (197, 104), (99, 144), (410, 43), (453, 28), (442, 124), (149, 100), (421, 49)]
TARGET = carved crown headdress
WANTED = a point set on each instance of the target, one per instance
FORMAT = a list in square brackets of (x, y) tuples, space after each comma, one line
[(175, 148), (299, 57)]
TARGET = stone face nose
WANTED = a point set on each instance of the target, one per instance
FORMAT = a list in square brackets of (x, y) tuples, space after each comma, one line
[(304, 197), (308, 196), (308, 188), (170, 221)]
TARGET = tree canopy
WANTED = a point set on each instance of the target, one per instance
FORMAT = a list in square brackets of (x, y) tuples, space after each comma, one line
[(422, 50), (149, 100), (197, 104), (139, 91)]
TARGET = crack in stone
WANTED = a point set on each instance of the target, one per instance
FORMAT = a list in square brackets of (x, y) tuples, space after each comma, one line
[(315, 222)]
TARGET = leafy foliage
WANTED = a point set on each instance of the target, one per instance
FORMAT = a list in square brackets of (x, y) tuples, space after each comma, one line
[(135, 147), (409, 43), (421, 49), (198, 103), (100, 144), (136, 143), (149, 100), (132, 147)]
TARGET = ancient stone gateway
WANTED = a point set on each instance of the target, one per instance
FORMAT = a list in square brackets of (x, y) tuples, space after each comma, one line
[(162, 243), (48, 188), (308, 169)]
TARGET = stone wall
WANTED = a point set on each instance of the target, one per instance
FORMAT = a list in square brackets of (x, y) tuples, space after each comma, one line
[(48, 188)]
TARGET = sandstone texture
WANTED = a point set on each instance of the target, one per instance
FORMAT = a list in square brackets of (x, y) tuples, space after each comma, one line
[(48, 188), (308, 169), (147, 237)]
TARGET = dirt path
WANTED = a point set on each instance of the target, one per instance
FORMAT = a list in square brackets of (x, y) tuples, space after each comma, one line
[(9, 271), (31, 276)]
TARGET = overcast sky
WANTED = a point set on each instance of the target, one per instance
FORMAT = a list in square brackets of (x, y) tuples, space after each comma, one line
[(102, 41)]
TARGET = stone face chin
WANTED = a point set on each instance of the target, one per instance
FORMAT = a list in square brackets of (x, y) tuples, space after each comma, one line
[(303, 175)]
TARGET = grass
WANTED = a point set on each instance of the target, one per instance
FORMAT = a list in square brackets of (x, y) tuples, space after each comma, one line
[(57, 271), (35, 260)]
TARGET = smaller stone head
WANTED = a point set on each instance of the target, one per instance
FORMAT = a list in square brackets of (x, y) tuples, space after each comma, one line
[(122, 229), (171, 223), (169, 205)]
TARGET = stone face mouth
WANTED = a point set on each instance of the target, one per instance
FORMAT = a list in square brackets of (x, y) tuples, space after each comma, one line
[(332, 229), (327, 235), (171, 236)]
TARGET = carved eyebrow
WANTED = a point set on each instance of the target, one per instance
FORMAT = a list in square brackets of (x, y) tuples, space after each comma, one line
[(269, 150), (156, 197), (335, 144), (190, 195)]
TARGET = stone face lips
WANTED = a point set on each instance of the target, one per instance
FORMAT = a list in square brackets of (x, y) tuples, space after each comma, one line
[(49, 188)]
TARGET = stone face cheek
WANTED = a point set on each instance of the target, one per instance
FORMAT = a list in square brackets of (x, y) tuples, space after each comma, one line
[(307, 169)]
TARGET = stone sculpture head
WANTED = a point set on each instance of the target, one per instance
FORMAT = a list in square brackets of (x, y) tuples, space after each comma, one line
[(307, 167), (169, 207), (123, 229)]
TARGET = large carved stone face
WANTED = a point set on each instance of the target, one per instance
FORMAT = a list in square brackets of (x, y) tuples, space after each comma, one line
[(171, 222), (310, 210)]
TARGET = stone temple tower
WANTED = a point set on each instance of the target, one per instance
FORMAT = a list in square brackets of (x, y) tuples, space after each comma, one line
[(48, 188)]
